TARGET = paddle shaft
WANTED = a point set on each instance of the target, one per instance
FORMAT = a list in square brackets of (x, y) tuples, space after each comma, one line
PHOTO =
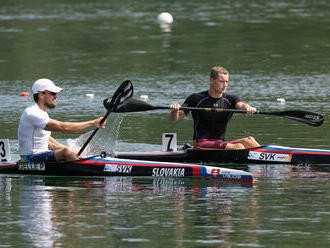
[(215, 110), (306, 117), (224, 110)]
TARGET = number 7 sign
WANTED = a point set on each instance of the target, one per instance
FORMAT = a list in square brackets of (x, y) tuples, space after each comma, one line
[(169, 142)]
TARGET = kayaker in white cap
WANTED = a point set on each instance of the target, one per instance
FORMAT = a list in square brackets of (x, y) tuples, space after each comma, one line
[(35, 127)]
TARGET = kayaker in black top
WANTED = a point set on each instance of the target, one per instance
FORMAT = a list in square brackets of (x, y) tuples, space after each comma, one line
[(210, 127)]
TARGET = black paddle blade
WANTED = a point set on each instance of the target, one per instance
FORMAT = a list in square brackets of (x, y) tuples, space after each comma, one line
[(124, 92), (303, 116), (134, 105), (307, 117)]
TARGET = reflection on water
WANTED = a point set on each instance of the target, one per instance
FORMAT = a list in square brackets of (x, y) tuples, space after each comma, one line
[(50, 208), (36, 214), (317, 172), (5, 189), (66, 211)]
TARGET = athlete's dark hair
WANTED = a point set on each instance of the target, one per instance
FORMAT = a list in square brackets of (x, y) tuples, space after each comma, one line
[(36, 97)]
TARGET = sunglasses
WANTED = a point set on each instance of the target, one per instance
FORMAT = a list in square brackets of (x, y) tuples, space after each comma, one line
[(50, 93)]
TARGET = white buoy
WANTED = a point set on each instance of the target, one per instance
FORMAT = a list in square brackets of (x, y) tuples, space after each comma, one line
[(165, 18), (90, 96), (144, 97), (280, 100)]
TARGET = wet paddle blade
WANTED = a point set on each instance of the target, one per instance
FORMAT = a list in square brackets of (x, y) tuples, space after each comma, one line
[(303, 116), (123, 93)]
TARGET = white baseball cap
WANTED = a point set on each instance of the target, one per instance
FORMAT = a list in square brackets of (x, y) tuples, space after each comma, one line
[(45, 84)]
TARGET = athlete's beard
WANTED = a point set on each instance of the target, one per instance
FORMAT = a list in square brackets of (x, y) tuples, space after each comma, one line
[(50, 105)]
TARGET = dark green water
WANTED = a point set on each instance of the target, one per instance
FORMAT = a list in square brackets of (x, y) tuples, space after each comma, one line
[(273, 49)]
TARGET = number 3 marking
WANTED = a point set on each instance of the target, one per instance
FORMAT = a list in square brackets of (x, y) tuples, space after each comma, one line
[(2, 149)]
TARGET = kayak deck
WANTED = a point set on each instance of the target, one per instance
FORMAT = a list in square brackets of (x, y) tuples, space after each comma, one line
[(263, 154), (98, 166)]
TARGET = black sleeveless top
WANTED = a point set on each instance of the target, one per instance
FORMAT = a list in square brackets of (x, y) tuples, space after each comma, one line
[(210, 125)]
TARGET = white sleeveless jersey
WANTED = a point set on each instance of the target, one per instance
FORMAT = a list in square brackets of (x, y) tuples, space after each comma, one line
[(32, 137)]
